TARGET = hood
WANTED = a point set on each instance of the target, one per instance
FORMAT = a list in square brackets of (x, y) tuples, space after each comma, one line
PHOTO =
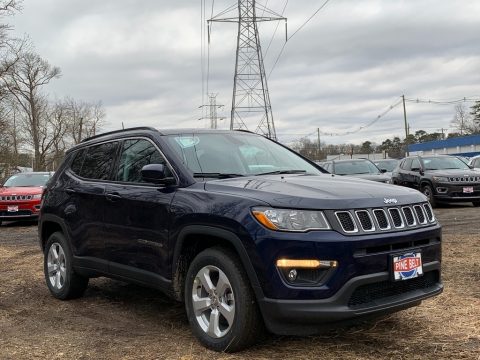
[(452, 172), (373, 177), (23, 190), (315, 191)]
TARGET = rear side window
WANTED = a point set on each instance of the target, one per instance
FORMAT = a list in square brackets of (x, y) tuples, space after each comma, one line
[(98, 161), (476, 163), (135, 155), (77, 162), (407, 164)]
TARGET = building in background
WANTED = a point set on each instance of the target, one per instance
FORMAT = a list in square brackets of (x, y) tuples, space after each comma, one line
[(464, 146)]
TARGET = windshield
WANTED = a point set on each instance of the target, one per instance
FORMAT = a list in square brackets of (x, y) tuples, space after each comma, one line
[(355, 168), (388, 165), (25, 180), (444, 163), (238, 154)]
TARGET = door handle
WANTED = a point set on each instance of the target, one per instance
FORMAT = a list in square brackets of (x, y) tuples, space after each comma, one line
[(70, 191), (113, 197)]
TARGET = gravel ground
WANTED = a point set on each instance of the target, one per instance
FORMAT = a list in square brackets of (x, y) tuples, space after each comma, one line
[(115, 320)]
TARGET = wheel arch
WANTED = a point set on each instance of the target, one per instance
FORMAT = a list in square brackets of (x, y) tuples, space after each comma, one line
[(48, 225), (195, 238)]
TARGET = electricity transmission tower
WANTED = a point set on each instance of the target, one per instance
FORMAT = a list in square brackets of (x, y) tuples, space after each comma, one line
[(212, 111), (251, 99)]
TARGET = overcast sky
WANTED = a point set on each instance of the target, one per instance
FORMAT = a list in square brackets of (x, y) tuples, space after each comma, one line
[(141, 58)]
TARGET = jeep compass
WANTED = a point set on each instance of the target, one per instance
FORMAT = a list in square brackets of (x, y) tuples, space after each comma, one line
[(245, 232)]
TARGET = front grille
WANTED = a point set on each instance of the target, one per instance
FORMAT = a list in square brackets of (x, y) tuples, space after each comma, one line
[(408, 213), (346, 221), (16, 213), (396, 218), (382, 219), (429, 212), (388, 248), (420, 215), (367, 295), (16, 197), (466, 179), (365, 220)]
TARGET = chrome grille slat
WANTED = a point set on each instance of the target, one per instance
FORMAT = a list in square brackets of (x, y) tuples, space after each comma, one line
[(397, 219), (347, 222), (409, 216), (429, 212), (382, 219), (16, 197), (419, 212), (365, 220)]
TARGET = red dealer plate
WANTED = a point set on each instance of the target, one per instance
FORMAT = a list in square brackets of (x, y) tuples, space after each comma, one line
[(407, 266), (468, 190), (12, 208)]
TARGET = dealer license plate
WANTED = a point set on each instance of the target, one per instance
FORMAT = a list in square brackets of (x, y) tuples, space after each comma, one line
[(12, 208), (468, 190), (407, 266)]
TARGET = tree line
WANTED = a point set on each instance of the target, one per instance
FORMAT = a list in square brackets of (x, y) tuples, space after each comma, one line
[(465, 122), (35, 130)]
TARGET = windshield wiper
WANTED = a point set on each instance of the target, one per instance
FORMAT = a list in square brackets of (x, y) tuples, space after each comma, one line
[(278, 172), (216, 175)]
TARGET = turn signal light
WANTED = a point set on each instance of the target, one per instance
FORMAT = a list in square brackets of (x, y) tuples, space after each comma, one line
[(306, 264)]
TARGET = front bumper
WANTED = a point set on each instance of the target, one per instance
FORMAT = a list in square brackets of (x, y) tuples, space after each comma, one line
[(366, 295), (448, 192), (25, 211)]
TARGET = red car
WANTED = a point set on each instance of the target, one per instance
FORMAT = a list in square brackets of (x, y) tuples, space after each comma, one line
[(21, 195)]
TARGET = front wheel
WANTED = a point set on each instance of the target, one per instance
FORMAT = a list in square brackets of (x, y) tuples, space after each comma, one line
[(428, 192), (220, 303), (62, 281)]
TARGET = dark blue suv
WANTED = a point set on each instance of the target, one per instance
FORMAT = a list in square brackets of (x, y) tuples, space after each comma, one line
[(244, 231)]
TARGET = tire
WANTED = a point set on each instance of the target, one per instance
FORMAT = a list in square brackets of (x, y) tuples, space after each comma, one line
[(428, 192), (62, 281), (242, 324), (476, 203)]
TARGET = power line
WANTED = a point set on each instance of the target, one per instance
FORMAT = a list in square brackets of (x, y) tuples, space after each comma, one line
[(444, 102), (276, 29), (294, 33)]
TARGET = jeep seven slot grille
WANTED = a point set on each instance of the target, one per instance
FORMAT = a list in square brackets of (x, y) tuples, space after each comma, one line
[(465, 179), (389, 218), (16, 198)]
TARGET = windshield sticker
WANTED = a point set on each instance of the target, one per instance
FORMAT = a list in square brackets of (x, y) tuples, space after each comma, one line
[(187, 141)]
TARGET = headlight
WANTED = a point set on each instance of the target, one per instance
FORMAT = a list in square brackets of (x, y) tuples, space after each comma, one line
[(37, 196), (441, 179), (291, 220)]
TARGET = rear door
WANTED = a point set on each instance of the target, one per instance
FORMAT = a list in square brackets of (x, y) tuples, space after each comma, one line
[(137, 215)]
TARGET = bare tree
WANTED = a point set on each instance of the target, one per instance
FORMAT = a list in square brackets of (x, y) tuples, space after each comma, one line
[(25, 81), (85, 118), (464, 122)]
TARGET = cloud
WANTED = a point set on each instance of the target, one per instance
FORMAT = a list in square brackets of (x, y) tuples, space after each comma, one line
[(343, 69)]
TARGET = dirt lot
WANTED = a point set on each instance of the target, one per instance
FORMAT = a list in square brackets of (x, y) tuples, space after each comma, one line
[(115, 320)]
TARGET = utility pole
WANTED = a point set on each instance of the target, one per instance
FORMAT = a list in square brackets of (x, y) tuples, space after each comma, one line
[(318, 143), (212, 111), (406, 125), (251, 98)]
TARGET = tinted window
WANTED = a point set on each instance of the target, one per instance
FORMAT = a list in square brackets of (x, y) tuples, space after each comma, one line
[(77, 162), (476, 163), (407, 164), (388, 165), (135, 155), (98, 161), (415, 165)]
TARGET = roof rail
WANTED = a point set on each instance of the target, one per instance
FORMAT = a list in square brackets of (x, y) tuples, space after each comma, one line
[(118, 131)]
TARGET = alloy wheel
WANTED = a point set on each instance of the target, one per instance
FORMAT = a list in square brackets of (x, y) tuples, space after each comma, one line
[(56, 266)]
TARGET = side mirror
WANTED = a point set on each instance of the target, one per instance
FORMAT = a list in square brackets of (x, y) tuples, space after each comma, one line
[(156, 174), (383, 171)]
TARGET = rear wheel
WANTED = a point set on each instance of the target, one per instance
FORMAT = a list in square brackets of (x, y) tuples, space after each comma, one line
[(220, 303), (62, 281), (428, 192)]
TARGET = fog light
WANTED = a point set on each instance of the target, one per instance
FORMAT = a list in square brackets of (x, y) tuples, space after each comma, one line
[(441, 190), (292, 275)]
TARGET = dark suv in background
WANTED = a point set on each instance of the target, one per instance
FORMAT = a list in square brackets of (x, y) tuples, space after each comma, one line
[(359, 168), (441, 178), (244, 231)]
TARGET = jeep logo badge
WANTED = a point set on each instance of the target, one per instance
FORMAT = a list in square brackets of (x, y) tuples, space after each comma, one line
[(390, 201)]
